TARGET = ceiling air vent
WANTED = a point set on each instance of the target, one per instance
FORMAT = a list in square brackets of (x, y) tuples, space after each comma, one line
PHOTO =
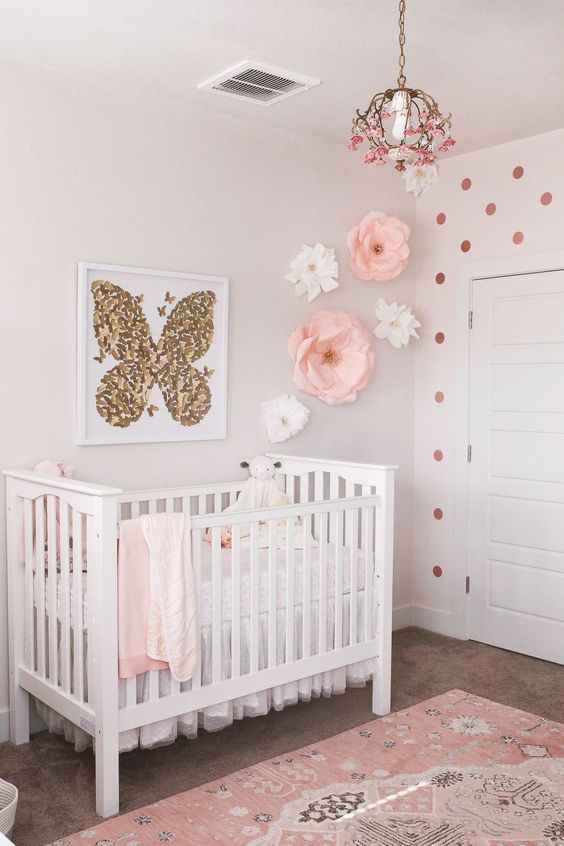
[(259, 83)]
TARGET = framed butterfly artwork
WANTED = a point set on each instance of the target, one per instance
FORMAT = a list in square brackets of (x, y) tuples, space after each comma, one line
[(152, 355)]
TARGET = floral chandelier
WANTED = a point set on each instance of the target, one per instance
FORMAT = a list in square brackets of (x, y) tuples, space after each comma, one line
[(418, 133)]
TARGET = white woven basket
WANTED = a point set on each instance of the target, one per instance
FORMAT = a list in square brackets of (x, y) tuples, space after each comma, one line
[(8, 804)]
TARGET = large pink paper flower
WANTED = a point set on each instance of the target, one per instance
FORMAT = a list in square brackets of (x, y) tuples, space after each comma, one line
[(378, 247), (332, 356)]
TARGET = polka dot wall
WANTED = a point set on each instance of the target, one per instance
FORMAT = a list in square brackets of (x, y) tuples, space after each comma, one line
[(503, 201)]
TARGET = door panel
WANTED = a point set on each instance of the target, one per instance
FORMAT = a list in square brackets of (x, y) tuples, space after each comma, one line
[(516, 481)]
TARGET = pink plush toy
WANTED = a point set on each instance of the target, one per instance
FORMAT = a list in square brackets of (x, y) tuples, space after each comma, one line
[(55, 468)]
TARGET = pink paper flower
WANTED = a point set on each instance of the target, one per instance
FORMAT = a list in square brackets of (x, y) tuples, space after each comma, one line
[(378, 248), (332, 357)]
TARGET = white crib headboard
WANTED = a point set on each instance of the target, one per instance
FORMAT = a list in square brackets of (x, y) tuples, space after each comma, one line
[(307, 479)]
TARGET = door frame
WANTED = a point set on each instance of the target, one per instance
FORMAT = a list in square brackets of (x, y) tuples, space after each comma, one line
[(467, 275)]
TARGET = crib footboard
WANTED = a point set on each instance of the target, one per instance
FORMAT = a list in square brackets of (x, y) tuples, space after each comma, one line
[(62, 564)]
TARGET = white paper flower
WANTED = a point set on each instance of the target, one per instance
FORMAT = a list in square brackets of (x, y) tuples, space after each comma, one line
[(397, 323), (314, 269), (419, 178), (284, 417)]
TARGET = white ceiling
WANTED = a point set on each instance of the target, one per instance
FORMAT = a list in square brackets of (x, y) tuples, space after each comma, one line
[(498, 65)]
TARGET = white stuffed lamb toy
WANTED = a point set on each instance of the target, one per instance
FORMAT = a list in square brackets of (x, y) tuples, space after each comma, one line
[(259, 491)]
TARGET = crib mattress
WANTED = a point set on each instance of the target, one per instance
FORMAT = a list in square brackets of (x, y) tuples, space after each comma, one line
[(359, 566)]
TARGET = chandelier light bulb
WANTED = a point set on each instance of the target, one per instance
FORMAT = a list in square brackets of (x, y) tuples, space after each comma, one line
[(400, 105), (398, 130)]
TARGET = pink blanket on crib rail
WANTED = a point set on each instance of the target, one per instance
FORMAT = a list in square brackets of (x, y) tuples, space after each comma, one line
[(157, 608)]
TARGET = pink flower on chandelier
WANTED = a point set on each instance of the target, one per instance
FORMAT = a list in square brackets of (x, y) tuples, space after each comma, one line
[(378, 248), (355, 141), (332, 357)]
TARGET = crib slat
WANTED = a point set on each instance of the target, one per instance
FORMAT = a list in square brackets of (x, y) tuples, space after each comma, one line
[(216, 605), (135, 510), (306, 577), (323, 584), (254, 607), (131, 692), (28, 585), (153, 685), (169, 505), (339, 581), (367, 535), (197, 570), (290, 566), (52, 592), (153, 506), (202, 508), (78, 655), (217, 503), (318, 488), (186, 505), (90, 605), (40, 579), (349, 492), (65, 598), (272, 591), (235, 600), (333, 494), (353, 585)]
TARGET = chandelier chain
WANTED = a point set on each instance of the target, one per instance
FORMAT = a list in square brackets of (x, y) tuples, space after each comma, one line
[(401, 77)]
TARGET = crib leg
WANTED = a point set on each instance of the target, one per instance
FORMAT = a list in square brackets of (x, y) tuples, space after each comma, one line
[(382, 687), (107, 774), (19, 715)]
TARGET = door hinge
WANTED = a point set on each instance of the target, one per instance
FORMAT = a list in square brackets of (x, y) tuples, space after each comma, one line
[(467, 584), (469, 452), (470, 319)]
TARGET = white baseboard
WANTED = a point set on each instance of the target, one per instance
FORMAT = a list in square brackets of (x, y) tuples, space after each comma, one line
[(35, 722), (4, 724), (402, 617), (441, 622)]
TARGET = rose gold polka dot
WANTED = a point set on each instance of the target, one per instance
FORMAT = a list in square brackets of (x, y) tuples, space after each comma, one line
[(491, 208), (465, 246), (439, 337), (441, 217), (440, 278), (518, 238), (437, 571), (438, 514), (546, 198), (518, 172), (438, 455), (439, 396), (466, 184)]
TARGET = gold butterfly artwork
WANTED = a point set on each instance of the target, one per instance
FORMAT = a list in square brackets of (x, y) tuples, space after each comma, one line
[(123, 333)]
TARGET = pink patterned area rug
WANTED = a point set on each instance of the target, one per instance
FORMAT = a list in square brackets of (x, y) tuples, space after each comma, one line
[(456, 770)]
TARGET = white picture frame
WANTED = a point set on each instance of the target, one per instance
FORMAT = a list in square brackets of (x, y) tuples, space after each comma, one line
[(149, 287)]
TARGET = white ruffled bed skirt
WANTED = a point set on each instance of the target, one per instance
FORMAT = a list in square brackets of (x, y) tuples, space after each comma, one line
[(217, 717)]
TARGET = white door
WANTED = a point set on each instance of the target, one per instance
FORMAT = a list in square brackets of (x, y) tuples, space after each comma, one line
[(516, 482)]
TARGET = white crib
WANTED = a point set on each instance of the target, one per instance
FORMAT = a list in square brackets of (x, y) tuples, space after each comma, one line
[(70, 663)]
